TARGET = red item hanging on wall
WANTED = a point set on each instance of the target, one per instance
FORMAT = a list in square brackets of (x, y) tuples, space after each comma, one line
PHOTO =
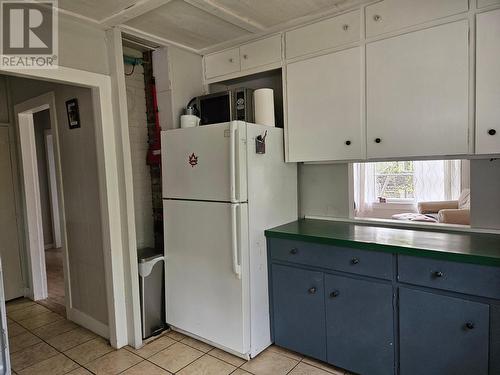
[(154, 152)]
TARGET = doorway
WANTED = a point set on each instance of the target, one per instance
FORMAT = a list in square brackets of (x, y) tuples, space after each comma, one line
[(48, 258), (49, 206)]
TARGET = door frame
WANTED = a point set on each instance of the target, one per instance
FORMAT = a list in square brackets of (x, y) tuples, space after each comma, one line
[(53, 188), (109, 186), (25, 127)]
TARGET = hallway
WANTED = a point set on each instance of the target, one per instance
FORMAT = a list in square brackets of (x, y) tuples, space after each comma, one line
[(55, 282)]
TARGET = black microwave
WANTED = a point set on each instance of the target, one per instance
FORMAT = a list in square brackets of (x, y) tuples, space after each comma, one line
[(225, 106)]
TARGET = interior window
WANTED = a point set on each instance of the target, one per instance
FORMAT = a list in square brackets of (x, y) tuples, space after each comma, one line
[(419, 191)]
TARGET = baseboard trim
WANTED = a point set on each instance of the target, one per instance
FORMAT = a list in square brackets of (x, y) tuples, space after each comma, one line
[(48, 246), (88, 322)]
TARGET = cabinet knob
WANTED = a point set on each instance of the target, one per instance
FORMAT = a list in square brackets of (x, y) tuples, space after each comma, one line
[(378, 140), (334, 294), (312, 290), (345, 27), (245, 57), (377, 17), (492, 132), (231, 60), (469, 325), (294, 251), (348, 143), (438, 274), (354, 261)]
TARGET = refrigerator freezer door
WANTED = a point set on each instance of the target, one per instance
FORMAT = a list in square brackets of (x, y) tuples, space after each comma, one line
[(207, 277), (205, 163)]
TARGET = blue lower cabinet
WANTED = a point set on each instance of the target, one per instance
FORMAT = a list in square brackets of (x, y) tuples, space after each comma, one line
[(441, 335), (299, 310), (359, 324)]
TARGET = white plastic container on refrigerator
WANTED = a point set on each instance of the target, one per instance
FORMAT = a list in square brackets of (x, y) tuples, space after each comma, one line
[(219, 197)]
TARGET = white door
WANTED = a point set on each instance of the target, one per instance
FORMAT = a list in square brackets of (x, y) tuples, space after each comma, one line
[(488, 83), (262, 52), (324, 108), (9, 241), (417, 93), (207, 271), (205, 163), (220, 63)]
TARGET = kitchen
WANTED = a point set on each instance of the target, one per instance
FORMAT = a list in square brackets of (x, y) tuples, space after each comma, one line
[(329, 186)]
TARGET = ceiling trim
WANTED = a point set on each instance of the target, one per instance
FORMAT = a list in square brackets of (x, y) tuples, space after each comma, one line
[(344, 7), (155, 39), (226, 15), (136, 10)]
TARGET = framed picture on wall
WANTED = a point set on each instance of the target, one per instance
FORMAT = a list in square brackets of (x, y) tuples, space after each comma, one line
[(73, 113)]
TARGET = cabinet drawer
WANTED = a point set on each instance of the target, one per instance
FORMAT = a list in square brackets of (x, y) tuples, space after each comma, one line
[(261, 52), (361, 262), (323, 35), (458, 277), (390, 15), (221, 63)]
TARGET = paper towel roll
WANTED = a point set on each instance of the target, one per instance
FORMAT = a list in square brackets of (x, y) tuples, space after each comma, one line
[(263, 100)]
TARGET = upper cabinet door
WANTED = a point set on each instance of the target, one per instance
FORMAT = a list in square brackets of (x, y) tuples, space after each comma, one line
[(220, 63), (324, 108), (261, 52), (488, 83), (322, 35), (391, 15), (417, 93), (484, 3)]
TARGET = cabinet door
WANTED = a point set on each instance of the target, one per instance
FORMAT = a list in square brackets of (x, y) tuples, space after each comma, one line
[(442, 335), (261, 52), (324, 108), (221, 63), (299, 310), (359, 323), (390, 15), (322, 35), (417, 93), (488, 83)]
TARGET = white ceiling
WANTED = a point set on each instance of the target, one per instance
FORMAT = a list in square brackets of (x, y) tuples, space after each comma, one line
[(202, 25)]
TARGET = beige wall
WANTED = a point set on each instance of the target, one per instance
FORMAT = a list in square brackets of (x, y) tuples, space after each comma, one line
[(80, 192), (82, 46), (485, 193), (324, 190), (178, 76)]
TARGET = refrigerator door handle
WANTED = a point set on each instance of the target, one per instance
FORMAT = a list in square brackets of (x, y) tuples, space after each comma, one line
[(232, 159), (234, 240)]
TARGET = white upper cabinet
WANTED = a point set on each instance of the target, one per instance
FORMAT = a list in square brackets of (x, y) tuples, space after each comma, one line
[(488, 82), (417, 93), (322, 35), (484, 3), (324, 108), (261, 52), (248, 56), (391, 15), (221, 63)]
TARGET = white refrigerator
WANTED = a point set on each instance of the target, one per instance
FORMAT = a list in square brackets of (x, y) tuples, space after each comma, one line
[(219, 197)]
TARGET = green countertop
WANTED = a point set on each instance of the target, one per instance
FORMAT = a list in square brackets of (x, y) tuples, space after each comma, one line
[(469, 247)]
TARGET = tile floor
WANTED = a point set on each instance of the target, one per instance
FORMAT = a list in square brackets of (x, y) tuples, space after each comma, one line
[(44, 343), (55, 281)]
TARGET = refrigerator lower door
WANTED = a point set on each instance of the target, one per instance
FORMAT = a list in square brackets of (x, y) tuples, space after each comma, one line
[(206, 251), (4, 342)]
